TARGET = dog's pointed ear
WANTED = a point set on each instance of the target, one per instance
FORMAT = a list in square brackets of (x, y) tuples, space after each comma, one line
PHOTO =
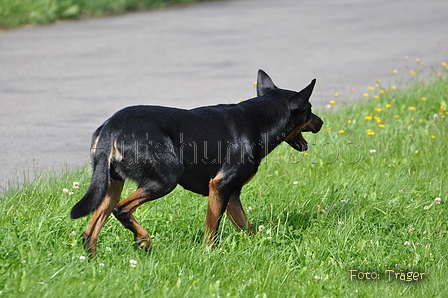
[(264, 83), (301, 98), (305, 94)]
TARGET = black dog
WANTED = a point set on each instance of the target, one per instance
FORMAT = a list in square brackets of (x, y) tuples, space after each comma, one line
[(213, 151)]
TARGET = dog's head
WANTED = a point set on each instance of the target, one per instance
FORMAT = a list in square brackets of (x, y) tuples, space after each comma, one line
[(301, 118)]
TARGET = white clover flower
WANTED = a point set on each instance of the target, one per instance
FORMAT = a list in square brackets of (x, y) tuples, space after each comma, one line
[(344, 201), (75, 184), (372, 151), (261, 228), (82, 258), (317, 277), (65, 190), (295, 183), (407, 243), (133, 263), (426, 208)]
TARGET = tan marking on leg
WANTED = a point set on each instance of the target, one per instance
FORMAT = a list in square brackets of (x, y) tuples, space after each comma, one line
[(123, 211), (101, 214), (215, 209), (236, 214)]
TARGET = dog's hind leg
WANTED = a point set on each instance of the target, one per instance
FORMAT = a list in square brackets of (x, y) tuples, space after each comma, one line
[(236, 213), (101, 214), (123, 212)]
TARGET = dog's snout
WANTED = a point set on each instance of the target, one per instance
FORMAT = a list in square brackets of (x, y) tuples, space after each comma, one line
[(317, 123)]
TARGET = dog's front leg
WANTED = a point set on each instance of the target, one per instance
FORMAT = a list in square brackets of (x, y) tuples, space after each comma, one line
[(236, 214), (217, 204)]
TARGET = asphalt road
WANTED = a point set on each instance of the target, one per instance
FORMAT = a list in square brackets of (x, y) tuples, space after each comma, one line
[(59, 82)]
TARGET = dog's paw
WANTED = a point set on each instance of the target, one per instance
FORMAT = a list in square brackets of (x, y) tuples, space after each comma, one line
[(144, 244)]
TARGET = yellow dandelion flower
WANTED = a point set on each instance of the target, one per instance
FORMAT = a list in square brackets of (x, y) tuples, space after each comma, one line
[(341, 131), (382, 91), (349, 121), (433, 137), (368, 130), (377, 119), (412, 119), (423, 99), (370, 88), (255, 83), (393, 88), (412, 72), (328, 129), (421, 120), (306, 153), (377, 85), (378, 81), (417, 60), (416, 151), (376, 97), (370, 133), (423, 64), (241, 99), (442, 108), (377, 110), (412, 108), (352, 90), (336, 94), (440, 74), (388, 106), (397, 116), (444, 64), (332, 102), (394, 71), (381, 126), (368, 117), (365, 94)]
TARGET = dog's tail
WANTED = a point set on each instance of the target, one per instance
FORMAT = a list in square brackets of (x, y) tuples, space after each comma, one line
[(101, 155)]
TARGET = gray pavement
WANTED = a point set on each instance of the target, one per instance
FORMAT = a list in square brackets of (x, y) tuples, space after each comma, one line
[(59, 82)]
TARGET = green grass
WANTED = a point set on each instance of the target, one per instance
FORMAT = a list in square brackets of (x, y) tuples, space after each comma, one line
[(14, 13), (339, 207)]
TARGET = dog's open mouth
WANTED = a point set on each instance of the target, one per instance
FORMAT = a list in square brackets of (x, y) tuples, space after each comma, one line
[(301, 140), (298, 142)]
